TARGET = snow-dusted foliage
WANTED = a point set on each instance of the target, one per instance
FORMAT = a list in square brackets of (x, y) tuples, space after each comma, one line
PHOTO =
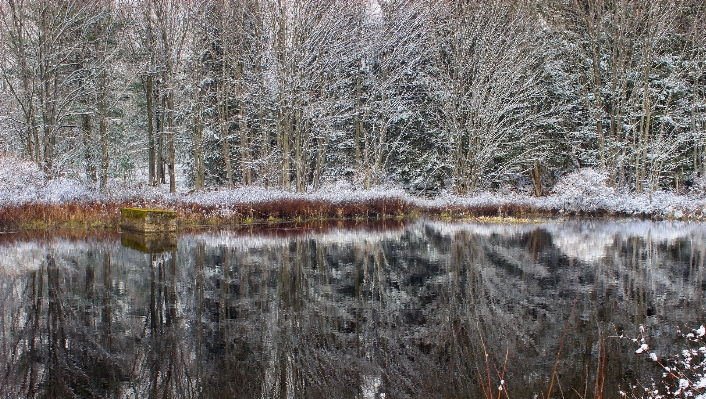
[(582, 192), (427, 95), (683, 373), (22, 182), (19, 180), (585, 190), (699, 187)]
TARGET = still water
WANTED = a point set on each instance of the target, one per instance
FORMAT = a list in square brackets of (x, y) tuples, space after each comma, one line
[(422, 309)]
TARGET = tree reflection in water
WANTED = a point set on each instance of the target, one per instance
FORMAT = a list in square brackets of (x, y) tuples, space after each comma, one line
[(326, 311)]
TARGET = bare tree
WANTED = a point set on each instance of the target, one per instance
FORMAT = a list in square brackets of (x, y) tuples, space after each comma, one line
[(171, 26), (491, 74)]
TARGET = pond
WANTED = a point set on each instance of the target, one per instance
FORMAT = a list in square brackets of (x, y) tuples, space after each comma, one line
[(416, 309)]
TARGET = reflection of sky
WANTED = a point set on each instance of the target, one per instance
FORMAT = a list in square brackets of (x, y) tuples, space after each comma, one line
[(26, 256), (586, 245), (589, 240), (21, 257), (243, 241)]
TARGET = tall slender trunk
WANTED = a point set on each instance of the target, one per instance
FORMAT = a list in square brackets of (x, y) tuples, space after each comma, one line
[(223, 124), (103, 132), (87, 129), (298, 151), (198, 169), (322, 146), (645, 122), (279, 142), (597, 81), (379, 151), (160, 140), (266, 144), (47, 117), (245, 150), (43, 88), (151, 156), (286, 136), (170, 140), (149, 96), (358, 105), (85, 121), (37, 148)]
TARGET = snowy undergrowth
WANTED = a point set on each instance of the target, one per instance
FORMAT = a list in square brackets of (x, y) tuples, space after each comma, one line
[(581, 192)]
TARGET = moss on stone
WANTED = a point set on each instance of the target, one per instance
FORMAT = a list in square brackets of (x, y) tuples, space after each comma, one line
[(141, 213)]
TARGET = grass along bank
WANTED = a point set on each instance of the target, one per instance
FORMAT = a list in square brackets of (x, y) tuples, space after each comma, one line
[(28, 201), (253, 206)]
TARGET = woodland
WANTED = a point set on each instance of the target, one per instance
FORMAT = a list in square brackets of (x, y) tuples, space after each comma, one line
[(427, 95)]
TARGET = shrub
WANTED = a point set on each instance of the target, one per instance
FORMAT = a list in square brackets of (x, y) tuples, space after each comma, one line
[(584, 190)]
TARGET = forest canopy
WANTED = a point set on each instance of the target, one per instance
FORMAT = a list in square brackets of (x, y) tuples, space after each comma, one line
[(430, 95)]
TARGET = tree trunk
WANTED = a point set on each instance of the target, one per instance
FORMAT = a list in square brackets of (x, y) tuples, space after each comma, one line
[(160, 140), (87, 129), (298, 152), (358, 105), (245, 150), (223, 124), (536, 176), (170, 140), (149, 95), (286, 166), (198, 169), (103, 131)]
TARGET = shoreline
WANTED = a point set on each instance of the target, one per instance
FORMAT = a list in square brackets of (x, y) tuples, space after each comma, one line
[(42, 203), (105, 215)]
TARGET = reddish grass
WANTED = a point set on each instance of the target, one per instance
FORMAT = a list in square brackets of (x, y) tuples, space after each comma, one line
[(26, 216), (106, 215), (492, 210)]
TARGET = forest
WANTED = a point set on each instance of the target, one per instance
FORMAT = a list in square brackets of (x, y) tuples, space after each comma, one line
[(428, 95)]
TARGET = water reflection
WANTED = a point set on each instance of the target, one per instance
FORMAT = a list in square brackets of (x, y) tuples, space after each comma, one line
[(426, 309)]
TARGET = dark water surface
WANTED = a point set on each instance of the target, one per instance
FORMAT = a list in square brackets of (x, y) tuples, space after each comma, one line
[(421, 309)]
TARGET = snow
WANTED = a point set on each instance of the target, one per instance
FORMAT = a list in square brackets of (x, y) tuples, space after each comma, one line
[(687, 367), (642, 348), (22, 182)]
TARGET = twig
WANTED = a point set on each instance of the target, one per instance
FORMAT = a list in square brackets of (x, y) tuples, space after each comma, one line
[(561, 345)]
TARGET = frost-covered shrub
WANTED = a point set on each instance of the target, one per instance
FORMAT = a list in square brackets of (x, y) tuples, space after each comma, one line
[(23, 182), (699, 187), (584, 190), (64, 190), (20, 181)]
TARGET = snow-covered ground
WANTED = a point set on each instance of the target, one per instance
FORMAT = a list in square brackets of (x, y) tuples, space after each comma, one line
[(580, 192)]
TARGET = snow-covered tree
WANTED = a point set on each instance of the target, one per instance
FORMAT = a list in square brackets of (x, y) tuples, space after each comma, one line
[(428, 94), (491, 91), (631, 61)]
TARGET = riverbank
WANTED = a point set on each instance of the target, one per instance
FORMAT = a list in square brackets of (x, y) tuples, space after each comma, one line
[(28, 201), (257, 205)]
